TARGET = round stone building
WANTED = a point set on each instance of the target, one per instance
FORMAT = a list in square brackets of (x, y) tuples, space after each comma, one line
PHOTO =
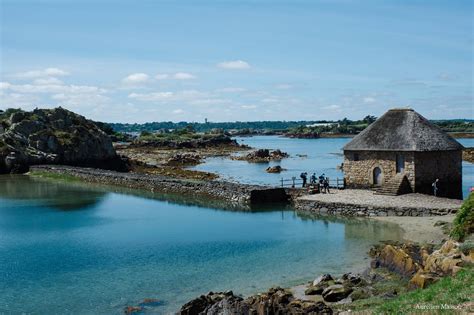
[(402, 152)]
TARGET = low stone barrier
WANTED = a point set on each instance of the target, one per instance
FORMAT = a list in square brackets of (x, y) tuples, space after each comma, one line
[(351, 210), (230, 192)]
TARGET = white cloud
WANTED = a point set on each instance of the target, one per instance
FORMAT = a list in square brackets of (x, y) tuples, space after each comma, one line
[(48, 81), (136, 78), (26, 101), (248, 106), (156, 96), (48, 72), (175, 76), (80, 99), (162, 76), (209, 101), (190, 97), (234, 65), (332, 107), (183, 76), (369, 100), (178, 111), (50, 88), (30, 95), (231, 90), (4, 85)]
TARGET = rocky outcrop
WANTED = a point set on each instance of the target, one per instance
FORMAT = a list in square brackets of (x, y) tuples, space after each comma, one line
[(336, 292), (404, 259), (181, 159), (275, 301), (275, 169), (262, 156), (468, 154), (203, 142), (420, 264), (339, 290), (303, 135), (53, 136)]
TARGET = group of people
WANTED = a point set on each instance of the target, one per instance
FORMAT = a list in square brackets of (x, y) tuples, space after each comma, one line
[(322, 181)]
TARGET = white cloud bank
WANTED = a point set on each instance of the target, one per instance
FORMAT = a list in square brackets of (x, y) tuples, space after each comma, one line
[(136, 78), (234, 65), (176, 76), (48, 72)]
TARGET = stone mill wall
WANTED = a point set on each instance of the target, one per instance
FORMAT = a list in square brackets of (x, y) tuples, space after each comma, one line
[(359, 167)]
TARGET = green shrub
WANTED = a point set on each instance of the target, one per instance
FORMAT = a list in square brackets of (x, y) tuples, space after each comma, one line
[(463, 223)]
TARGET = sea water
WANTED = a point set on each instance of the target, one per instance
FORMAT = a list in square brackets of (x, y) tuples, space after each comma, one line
[(70, 248)]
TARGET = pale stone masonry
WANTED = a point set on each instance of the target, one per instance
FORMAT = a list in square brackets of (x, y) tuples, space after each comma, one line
[(359, 202), (404, 148)]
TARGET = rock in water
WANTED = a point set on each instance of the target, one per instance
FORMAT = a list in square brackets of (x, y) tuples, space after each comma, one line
[(53, 136), (275, 301), (274, 169)]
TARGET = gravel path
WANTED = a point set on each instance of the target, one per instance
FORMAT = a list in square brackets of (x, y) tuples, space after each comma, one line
[(369, 198)]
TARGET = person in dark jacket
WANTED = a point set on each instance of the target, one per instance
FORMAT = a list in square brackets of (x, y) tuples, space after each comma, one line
[(326, 185), (304, 177)]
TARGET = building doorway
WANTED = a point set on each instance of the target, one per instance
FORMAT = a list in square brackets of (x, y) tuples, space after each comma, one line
[(400, 163), (377, 173)]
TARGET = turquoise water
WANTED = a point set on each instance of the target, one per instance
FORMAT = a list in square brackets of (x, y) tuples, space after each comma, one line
[(80, 249), (323, 155)]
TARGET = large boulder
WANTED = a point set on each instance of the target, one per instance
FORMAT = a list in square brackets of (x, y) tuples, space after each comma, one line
[(275, 301), (396, 259), (53, 136), (274, 169), (336, 292)]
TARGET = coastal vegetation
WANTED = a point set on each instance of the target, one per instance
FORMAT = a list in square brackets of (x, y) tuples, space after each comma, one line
[(463, 224), (344, 126), (450, 295)]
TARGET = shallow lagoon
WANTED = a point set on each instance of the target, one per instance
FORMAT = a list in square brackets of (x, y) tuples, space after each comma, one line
[(320, 156), (75, 248)]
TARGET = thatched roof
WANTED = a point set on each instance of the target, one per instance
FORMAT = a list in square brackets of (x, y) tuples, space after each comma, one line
[(402, 130)]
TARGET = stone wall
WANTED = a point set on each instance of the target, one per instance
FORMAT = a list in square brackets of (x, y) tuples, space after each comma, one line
[(232, 193), (350, 210), (444, 165), (359, 173)]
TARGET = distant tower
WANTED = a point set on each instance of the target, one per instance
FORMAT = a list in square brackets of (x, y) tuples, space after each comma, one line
[(205, 121)]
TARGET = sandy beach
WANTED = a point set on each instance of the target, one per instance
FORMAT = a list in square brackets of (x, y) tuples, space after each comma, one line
[(420, 229)]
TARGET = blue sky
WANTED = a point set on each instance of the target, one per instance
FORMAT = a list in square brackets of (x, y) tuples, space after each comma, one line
[(137, 61)]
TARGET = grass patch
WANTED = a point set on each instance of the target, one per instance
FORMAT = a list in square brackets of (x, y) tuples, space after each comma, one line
[(55, 176), (463, 223), (449, 292), (450, 295)]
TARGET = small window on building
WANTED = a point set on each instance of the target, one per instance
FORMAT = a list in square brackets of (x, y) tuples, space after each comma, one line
[(356, 156)]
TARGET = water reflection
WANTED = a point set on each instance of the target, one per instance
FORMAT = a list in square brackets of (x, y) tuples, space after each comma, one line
[(359, 228), (54, 194)]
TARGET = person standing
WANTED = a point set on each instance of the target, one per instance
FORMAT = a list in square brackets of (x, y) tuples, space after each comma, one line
[(326, 185), (304, 177), (435, 187)]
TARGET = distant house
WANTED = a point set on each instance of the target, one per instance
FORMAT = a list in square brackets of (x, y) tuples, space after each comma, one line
[(403, 152)]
